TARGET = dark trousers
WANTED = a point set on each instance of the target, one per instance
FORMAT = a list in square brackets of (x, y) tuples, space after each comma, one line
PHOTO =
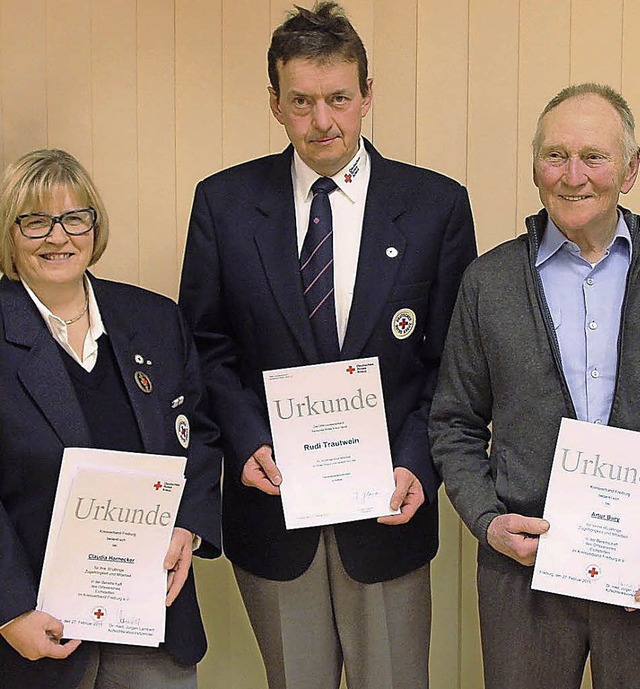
[(532, 639)]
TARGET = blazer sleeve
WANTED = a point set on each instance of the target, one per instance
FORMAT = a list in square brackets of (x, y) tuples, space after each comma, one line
[(200, 505), (411, 448), (17, 587), (236, 408)]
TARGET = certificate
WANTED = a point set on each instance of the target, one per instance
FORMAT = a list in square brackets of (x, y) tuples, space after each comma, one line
[(592, 548), (330, 442), (103, 574)]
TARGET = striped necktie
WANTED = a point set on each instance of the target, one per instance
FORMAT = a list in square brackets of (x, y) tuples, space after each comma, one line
[(316, 267)]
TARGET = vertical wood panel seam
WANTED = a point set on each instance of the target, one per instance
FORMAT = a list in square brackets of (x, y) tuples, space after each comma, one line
[(516, 223), (176, 229), (622, 13), (466, 145), (570, 41), (46, 73), (137, 123)]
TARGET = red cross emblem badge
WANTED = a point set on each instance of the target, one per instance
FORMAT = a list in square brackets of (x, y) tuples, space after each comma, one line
[(182, 430), (98, 613), (403, 323)]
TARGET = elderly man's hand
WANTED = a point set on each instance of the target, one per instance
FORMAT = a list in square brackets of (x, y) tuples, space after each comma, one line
[(516, 536), (36, 635)]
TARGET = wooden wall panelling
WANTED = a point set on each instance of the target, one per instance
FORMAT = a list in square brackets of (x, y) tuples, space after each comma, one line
[(198, 103), (394, 116), (156, 145), (68, 74), (443, 71), (245, 119), (115, 131), (23, 77), (596, 41), (544, 68), (630, 83), (493, 118)]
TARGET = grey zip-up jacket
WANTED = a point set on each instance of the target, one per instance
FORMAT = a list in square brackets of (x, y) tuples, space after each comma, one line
[(502, 366)]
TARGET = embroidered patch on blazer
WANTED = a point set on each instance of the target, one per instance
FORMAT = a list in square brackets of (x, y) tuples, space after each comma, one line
[(182, 430), (403, 323)]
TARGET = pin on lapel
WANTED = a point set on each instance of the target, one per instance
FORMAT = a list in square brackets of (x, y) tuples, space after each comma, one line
[(139, 359), (391, 251), (177, 402), (143, 381)]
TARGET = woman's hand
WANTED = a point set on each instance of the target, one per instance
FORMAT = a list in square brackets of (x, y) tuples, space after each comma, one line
[(36, 634), (178, 562)]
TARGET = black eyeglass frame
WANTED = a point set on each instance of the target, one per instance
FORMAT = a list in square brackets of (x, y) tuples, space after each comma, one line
[(57, 219)]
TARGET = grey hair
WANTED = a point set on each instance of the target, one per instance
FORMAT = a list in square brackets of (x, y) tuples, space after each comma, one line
[(615, 99)]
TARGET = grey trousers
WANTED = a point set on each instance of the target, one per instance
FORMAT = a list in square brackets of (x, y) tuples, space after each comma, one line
[(114, 666), (307, 628), (532, 639)]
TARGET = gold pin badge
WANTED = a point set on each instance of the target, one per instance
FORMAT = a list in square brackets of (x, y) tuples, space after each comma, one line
[(143, 381)]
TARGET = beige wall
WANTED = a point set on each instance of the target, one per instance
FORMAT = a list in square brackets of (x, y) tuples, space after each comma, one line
[(152, 95)]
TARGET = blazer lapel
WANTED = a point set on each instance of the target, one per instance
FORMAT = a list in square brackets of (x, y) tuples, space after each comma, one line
[(377, 272), (127, 342), (275, 237), (42, 372)]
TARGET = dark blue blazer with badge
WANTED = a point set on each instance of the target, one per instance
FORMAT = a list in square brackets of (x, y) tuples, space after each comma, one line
[(241, 293), (40, 416)]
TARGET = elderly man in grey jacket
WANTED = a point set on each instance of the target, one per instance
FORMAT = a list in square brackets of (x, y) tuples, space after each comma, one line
[(546, 325)]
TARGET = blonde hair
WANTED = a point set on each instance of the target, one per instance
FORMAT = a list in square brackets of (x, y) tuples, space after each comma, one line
[(30, 182)]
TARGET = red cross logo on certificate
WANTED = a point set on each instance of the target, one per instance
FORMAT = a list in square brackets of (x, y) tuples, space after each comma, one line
[(157, 486), (350, 370), (593, 571), (98, 613), (348, 178)]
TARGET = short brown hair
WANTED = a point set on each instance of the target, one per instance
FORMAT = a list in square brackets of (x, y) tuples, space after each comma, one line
[(30, 182), (321, 34)]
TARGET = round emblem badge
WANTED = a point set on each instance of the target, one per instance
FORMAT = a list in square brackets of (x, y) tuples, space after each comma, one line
[(143, 381), (182, 430), (403, 323)]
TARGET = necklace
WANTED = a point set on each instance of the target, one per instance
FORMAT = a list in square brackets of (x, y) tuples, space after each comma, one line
[(81, 314)]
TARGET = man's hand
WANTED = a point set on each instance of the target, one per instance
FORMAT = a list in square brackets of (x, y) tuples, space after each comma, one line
[(517, 536), (261, 472), (178, 562), (36, 635), (407, 496)]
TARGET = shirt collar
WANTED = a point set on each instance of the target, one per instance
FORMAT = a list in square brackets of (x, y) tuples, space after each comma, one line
[(350, 179), (553, 239), (96, 326)]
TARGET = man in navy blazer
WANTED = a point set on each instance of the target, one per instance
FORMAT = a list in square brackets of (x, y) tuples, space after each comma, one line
[(40, 415), (356, 593)]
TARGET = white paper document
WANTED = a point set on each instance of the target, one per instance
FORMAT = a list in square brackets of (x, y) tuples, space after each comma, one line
[(592, 549), (103, 573), (330, 442)]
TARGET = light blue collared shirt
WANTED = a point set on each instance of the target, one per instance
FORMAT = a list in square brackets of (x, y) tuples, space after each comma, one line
[(586, 302)]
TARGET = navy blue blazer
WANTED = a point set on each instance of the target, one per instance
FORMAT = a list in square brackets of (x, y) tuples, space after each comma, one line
[(40, 416), (241, 294)]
